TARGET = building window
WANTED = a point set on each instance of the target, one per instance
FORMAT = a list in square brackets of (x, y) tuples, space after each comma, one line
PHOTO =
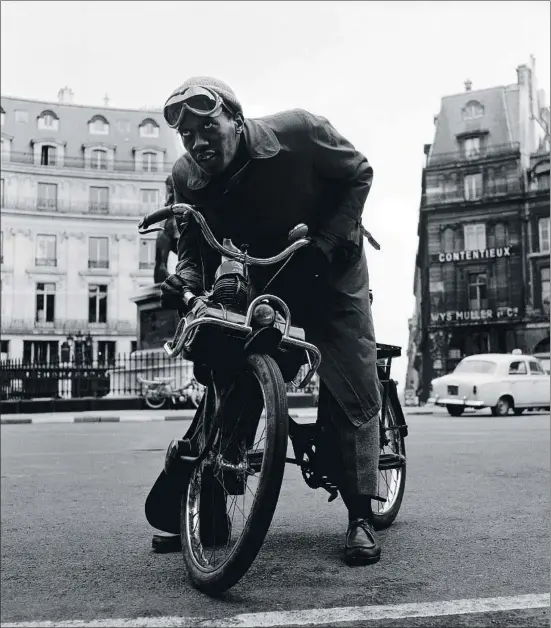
[(99, 200), (48, 121), (543, 231), (473, 186), (149, 162), (149, 128), (98, 253), (21, 116), (98, 125), (47, 196), (518, 368), (150, 199), (471, 147), (478, 291), (545, 286), (147, 253), (106, 352), (475, 237), (45, 302), (48, 156), (40, 351), (97, 304), (473, 109), (98, 159), (4, 350), (46, 250)]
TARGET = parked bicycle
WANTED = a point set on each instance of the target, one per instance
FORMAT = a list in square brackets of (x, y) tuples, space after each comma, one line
[(159, 390), (233, 456)]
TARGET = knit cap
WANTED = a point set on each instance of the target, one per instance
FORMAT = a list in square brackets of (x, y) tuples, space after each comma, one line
[(222, 89)]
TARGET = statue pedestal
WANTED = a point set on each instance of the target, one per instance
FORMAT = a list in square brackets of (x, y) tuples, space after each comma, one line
[(155, 327)]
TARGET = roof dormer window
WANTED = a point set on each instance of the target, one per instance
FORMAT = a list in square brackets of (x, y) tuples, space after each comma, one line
[(48, 121), (472, 110), (149, 128), (98, 125)]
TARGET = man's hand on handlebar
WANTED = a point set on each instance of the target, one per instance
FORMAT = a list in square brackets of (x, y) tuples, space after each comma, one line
[(175, 295)]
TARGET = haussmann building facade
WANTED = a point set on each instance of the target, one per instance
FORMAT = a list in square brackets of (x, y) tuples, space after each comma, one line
[(482, 267)]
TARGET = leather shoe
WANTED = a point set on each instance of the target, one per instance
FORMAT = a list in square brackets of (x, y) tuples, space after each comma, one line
[(361, 547)]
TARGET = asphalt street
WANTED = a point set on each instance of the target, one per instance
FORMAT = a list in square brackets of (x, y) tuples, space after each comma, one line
[(473, 525)]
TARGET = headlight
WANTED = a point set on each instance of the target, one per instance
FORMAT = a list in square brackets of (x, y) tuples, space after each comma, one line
[(263, 315)]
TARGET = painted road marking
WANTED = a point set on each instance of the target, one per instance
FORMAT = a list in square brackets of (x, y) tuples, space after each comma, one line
[(315, 616)]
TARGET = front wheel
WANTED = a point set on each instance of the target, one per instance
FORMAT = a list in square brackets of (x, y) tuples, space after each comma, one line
[(232, 495), (502, 407), (391, 482)]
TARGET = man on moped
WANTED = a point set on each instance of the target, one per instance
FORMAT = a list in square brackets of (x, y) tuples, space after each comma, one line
[(253, 180)]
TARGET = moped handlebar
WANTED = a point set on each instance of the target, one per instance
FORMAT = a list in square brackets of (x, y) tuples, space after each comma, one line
[(181, 209)]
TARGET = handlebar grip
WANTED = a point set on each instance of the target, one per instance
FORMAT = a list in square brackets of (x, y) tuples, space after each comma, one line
[(156, 216)]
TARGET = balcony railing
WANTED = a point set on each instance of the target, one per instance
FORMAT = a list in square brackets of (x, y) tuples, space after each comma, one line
[(42, 261), (67, 326), (130, 207), (117, 165), (437, 196), (469, 155), (98, 263)]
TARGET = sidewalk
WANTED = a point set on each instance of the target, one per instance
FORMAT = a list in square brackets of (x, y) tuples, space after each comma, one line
[(144, 416)]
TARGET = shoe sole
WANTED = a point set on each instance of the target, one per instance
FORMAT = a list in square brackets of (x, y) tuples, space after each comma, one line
[(359, 561)]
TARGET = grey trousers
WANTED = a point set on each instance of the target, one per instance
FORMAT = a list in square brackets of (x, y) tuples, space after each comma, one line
[(353, 451)]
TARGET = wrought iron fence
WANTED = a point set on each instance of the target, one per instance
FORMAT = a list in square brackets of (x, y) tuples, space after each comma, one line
[(116, 377)]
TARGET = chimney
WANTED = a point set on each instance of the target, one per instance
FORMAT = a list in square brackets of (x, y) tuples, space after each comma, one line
[(523, 74), (65, 96), (468, 85), (106, 101)]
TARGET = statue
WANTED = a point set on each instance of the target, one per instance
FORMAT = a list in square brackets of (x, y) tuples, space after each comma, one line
[(167, 239)]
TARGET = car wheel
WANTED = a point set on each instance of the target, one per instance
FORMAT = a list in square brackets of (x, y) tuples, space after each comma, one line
[(502, 407), (518, 411), (455, 410)]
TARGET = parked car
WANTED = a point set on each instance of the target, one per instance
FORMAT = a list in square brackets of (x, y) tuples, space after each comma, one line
[(499, 381)]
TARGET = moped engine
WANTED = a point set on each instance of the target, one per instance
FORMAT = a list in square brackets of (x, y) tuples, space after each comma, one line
[(231, 285)]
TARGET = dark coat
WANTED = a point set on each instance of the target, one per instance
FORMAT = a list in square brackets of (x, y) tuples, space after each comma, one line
[(299, 169)]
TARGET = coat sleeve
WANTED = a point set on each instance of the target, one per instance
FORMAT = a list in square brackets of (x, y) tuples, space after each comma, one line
[(190, 262), (336, 160)]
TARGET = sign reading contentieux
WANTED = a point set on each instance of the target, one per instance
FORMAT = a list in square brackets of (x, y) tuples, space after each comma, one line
[(482, 254), (473, 316)]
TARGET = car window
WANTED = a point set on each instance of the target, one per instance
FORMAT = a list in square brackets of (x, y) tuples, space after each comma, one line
[(518, 368), (536, 368), (475, 366)]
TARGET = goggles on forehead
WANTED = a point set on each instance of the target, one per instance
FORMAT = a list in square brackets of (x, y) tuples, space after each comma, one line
[(198, 100)]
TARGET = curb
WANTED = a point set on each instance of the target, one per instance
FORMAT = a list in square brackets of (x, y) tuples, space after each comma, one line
[(100, 419), (93, 419)]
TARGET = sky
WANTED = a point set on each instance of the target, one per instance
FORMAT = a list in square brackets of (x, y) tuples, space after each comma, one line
[(376, 70)]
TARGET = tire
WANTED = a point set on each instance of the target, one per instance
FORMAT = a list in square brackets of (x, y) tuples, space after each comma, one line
[(154, 400), (454, 410), (260, 403), (391, 483), (518, 411), (502, 407)]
